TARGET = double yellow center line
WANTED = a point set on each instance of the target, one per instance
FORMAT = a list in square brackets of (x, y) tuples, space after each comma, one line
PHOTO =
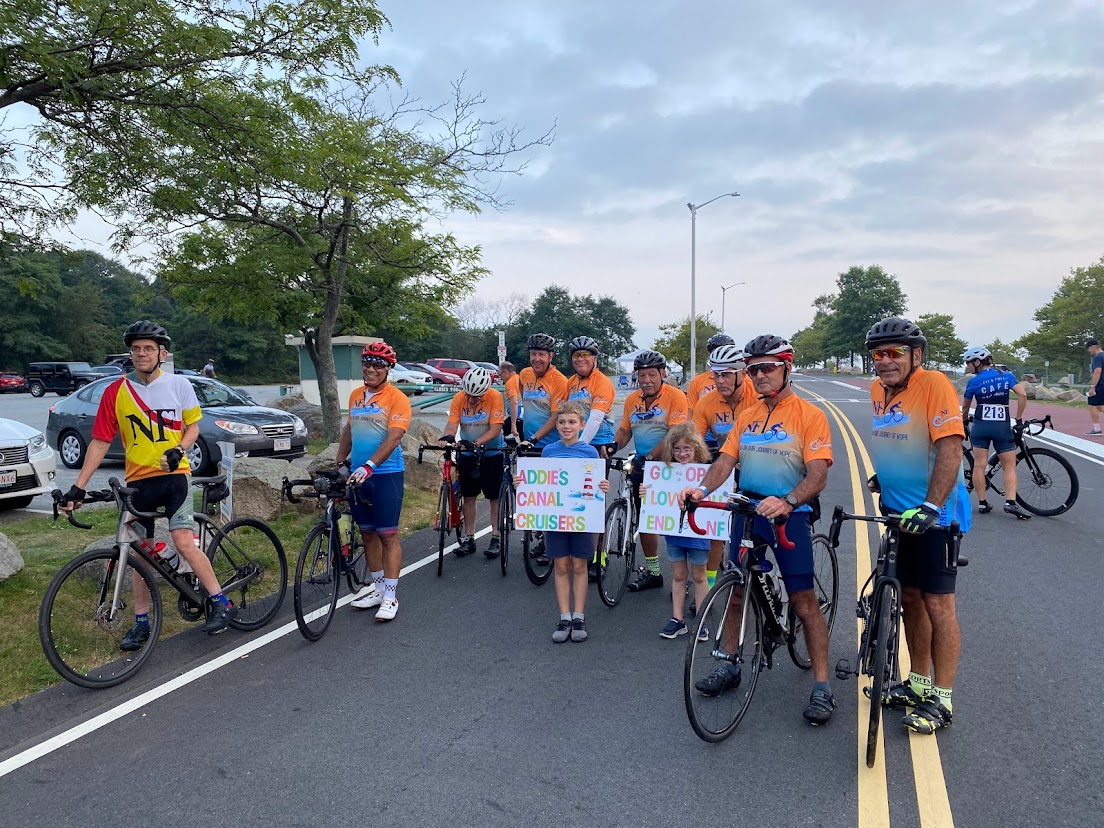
[(873, 788)]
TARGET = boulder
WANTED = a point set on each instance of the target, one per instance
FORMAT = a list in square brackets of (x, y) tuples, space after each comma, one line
[(1029, 389), (258, 482), (1029, 378), (10, 559), (1071, 396), (326, 459), (307, 412), (1066, 381), (1044, 393)]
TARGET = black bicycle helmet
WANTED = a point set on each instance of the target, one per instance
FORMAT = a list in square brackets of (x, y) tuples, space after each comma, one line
[(649, 359), (895, 330), (583, 343), (540, 342), (144, 329), (717, 340), (769, 345)]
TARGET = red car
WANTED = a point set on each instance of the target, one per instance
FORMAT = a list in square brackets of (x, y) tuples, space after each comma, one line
[(457, 367), (438, 376), (11, 381)]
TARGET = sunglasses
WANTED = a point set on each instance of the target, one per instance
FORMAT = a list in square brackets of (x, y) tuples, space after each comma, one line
[(723, 374), (372, 362), (896, 352), (764, 368)]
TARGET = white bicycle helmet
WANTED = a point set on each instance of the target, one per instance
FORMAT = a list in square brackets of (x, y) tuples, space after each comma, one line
[(476, 381), (976, 353), (726, 356)]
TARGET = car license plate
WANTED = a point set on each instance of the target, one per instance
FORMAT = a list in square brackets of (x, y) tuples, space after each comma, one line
[(7, 478), (282, 444)]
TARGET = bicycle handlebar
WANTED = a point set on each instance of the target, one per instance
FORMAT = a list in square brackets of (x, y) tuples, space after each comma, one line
[(324, 485), (116, 492), (737, 503), (953, 530)]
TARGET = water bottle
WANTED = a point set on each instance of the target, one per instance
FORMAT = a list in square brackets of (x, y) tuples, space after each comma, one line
[(456, 489), (160, 551), (345, 529)]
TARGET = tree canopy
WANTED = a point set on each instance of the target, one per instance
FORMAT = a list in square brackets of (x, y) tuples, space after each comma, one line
[(1074, 314), (945, 347), (674, 338)]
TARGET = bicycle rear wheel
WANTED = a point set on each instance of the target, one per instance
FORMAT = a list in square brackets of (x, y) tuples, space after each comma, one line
[(730, 623), (81, 629), (316, 584), (538, 566), (444, 527), (251, 567), (825, 586), (505, 520), (884, 664), (1046, 483), (357, 574), (615, 554)]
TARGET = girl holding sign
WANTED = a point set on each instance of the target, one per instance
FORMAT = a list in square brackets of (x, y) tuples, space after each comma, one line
[(688, 555)]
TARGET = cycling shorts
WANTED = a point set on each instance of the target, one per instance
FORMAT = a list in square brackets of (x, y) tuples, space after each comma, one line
[(997, 437), (1096, 399), (923, 562), (164, 492), (489, 480), (379, 503), (795, 565), (569, 544)]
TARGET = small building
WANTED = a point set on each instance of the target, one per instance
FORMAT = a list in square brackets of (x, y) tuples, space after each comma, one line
[(346, 353)]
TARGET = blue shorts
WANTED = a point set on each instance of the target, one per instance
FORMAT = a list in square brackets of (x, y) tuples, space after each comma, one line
[(379, 504), (796, 564), (999, 437), (573, 544), (679, 552)]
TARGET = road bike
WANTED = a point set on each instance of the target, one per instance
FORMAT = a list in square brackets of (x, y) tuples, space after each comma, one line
[(879, 609), (333, 548), (1047, 484), (617, 546), (507, 501), (88, 607), (744, 618), (450, 515)]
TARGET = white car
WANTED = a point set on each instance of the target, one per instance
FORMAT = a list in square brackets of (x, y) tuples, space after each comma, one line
[(405, 376), (27, 464)]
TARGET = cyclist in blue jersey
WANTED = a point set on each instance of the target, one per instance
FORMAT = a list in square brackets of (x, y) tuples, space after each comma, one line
[(992, 426)]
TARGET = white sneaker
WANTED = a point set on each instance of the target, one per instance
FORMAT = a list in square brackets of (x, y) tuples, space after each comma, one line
[(368, 597), (388, 609)]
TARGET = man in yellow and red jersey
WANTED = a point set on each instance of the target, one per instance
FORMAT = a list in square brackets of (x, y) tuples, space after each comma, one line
[(543, 388), (703, 383), (157, 416), (784, 449), (716, 414), (379, 415), (649, 413), (511, 397)]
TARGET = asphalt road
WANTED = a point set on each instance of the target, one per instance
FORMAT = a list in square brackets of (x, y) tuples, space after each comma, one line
[(462, 711)]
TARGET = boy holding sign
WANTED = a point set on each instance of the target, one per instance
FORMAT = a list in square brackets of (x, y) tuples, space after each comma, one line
[(568, 550)]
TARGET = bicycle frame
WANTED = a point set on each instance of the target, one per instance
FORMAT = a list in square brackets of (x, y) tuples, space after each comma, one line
[(453, 516), (1028, 428), (624, 492)]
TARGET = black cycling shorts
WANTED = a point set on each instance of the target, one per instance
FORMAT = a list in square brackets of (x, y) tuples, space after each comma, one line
[(924, 561), (166, 493), (489, 480)]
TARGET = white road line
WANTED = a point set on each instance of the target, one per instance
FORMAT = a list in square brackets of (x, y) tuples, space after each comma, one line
[(129, 706), (1074, 445), (846, 385)]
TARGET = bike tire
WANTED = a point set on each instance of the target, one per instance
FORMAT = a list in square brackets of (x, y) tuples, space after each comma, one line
[(826, 587), (251, 567), (884, 666), (79, 644), (1046, 485), (714, 718), (615, 554), (357, 574), (317, 584), (538, 566), (505, 524), (444, 515)]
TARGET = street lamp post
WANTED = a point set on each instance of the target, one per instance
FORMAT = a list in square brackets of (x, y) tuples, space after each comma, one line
[(693, 277), (723, 291)]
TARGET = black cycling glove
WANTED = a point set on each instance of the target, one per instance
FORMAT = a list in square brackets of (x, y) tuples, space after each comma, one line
[(173, 457), (919, 519), (75, 495)]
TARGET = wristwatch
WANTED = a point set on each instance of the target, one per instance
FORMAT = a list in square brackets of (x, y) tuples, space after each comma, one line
[(791, 500)]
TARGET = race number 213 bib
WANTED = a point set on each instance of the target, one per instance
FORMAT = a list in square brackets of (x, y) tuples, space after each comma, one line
[(994, 413)]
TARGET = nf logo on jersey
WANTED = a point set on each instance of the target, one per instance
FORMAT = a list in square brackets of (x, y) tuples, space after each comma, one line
[(944, 417), (155, 420), (752, 427), (819, 444)]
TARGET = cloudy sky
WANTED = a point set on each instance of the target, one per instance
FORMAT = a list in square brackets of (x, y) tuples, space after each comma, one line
[(958, 145)]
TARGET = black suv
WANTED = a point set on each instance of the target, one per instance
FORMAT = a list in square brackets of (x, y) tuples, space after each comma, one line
[(60, 377)]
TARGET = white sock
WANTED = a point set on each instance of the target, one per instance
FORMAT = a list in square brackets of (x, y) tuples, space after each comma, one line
[(390, 585)]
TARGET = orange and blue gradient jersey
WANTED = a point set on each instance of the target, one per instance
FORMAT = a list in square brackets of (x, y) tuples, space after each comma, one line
[(774, 447), (594, 392), (541, 397), (150, 420), (475, 415), (903, 443), (513, 391), (370, 418), (699, 386), (715, 418), (650, 423)]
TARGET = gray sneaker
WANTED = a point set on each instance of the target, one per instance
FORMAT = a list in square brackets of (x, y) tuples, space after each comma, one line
[(562, 631), (1013, 508), (578, 630)]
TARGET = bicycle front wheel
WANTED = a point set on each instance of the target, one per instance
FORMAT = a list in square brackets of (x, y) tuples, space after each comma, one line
[(538, 566), (316, 584), (251, 567), (825, 585), (505, 520), (1046, 483), (444, 527), (615, 554), (81, 626), (723, 659), (884, 662)]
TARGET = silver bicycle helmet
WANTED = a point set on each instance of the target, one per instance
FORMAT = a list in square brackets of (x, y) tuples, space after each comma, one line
[(476, 381)]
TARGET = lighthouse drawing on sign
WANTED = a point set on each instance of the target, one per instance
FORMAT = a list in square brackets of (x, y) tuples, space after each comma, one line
[(588, 481)]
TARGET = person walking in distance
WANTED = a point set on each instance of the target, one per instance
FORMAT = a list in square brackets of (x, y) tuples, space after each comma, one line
[(1096, 387), (209, 369)]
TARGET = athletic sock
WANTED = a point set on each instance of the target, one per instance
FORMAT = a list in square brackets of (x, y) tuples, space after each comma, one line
[(944, 694), (578, 615), (652, 565), (822, 685), (920, 684), (377, 579), (390, 586), (711, 577), (142, 618), (565, 616), (221, 599)]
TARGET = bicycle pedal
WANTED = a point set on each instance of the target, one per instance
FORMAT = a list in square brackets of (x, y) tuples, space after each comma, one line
[(843, 669)]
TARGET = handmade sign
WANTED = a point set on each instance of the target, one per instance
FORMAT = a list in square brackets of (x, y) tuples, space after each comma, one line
[(659, 511), (560, 494)]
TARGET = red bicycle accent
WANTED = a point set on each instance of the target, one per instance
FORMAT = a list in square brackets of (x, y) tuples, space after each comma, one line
[(743, 506)]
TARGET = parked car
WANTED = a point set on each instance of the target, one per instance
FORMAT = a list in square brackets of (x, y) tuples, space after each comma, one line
[(459, 367), (63, 378), (188, 372), (27, 465), (113, 370), (401, 375), (439, 377), (490, 366), (11, 381), (254, 430)]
